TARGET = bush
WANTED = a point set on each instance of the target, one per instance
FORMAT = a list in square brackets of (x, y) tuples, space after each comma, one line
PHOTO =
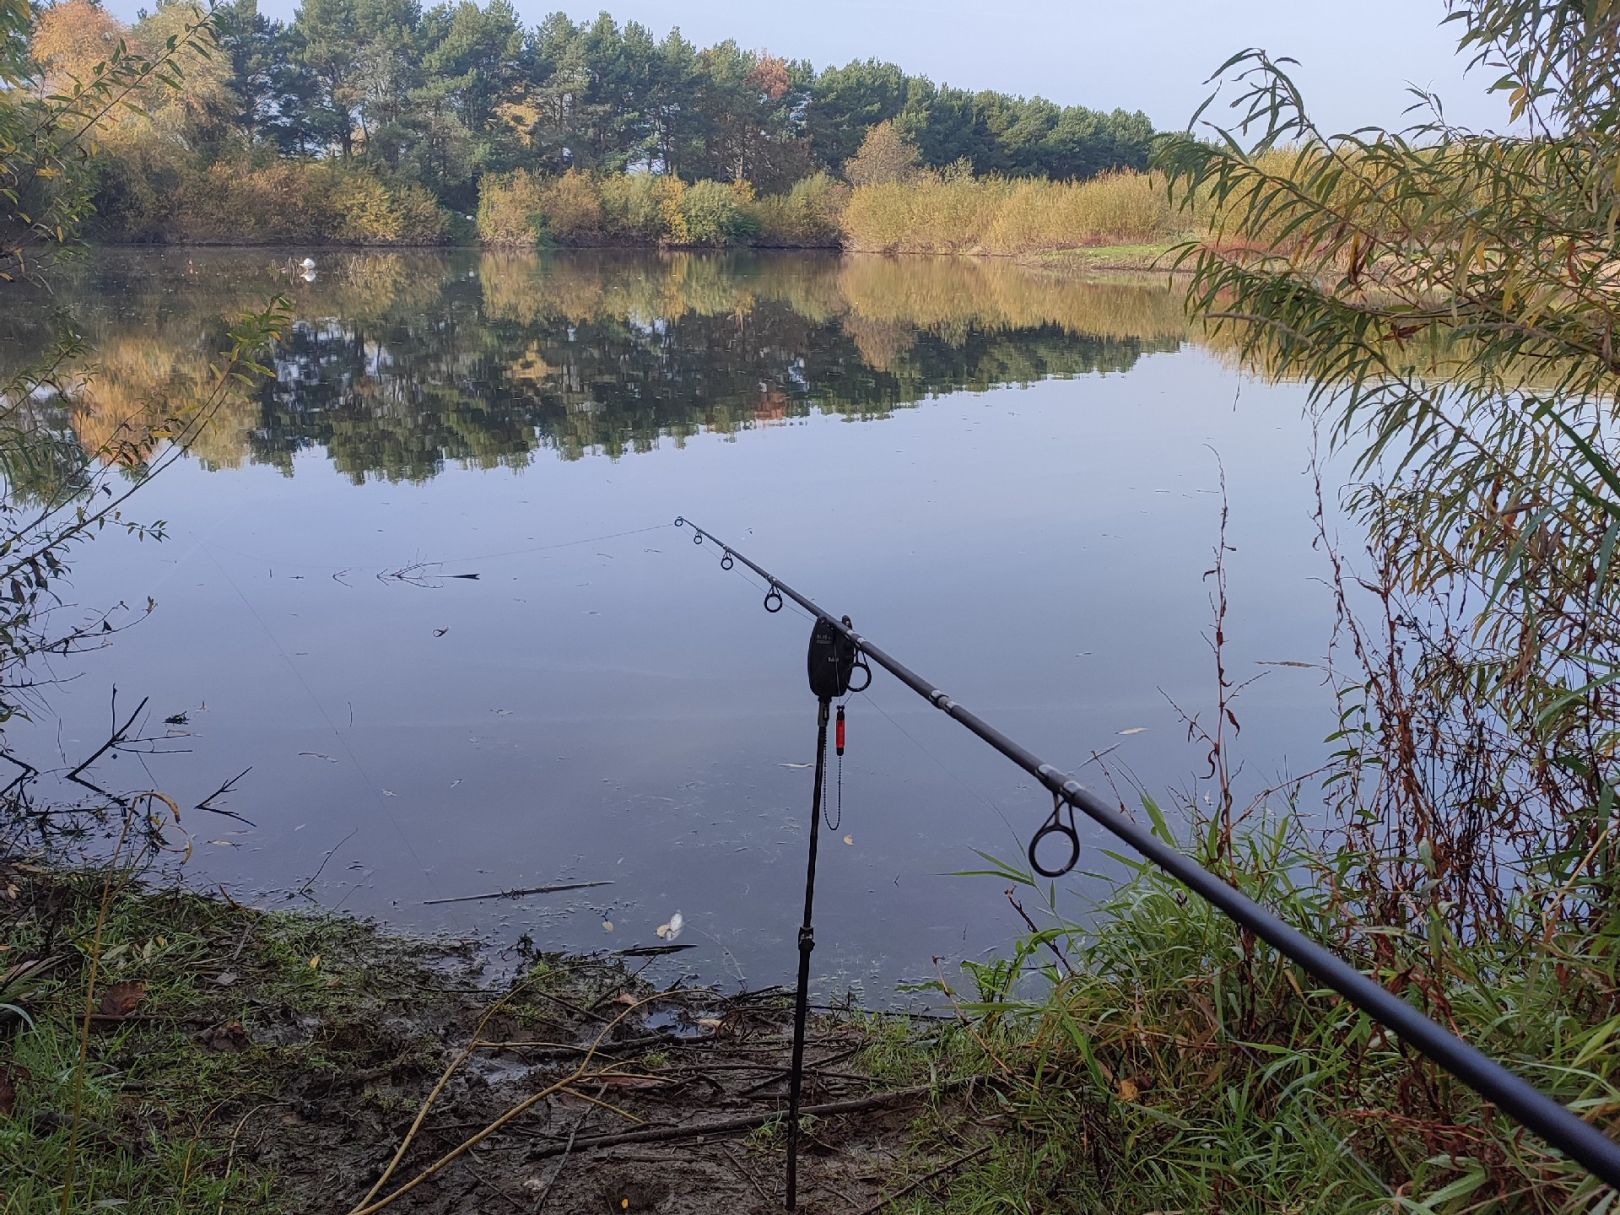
[(422, 221), (714, 213), (806, 217), (632, 207), (571, 207), (510, 209), (362, 211)]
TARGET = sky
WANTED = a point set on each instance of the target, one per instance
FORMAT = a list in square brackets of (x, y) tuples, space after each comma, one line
[(1356, 59)]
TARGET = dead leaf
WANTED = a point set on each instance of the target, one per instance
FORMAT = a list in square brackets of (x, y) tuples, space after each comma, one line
[(607, 925), (1128, 1090), (708, 1022), (229, 1036), (225, 978), (315, 962), (1134, 730), (850, 840), (626, 998), (121, 999)]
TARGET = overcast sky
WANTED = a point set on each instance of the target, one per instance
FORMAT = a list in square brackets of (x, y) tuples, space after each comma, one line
[(1356, 56)]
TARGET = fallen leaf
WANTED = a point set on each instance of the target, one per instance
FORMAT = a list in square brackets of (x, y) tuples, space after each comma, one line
[(1128, 1090), (315, 962), (225, 978), (120, 999), (793, 766), (626, 998), (607, 925), (708, 1023), (1134, 730), (229, 1036), (671, 930), (850, 840)]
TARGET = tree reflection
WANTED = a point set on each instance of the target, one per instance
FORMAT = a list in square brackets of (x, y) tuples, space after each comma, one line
[(402, 362)]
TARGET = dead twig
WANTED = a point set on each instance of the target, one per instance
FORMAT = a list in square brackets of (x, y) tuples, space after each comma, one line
[(207, 802), (568, 1149), (119, 735)]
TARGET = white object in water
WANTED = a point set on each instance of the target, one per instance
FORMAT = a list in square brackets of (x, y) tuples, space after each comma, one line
[(671, 930), (308, 263)]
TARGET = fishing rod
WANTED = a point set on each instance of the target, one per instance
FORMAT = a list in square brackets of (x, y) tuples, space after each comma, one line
[(1511, 1093)]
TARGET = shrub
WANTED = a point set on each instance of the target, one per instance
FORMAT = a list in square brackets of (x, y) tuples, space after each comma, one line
[(422, 221), (671, 196), (806, 217), (510, 209), (714, 213), (571, 206), (362, 211), (632, 207)]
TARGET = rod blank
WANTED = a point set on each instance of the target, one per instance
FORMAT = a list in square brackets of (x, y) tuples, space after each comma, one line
[(1512, 1093)]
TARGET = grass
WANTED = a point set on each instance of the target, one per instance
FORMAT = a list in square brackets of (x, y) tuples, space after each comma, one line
[(169, 1089), (1151, 256), (1171, 1063), (1016, 218)]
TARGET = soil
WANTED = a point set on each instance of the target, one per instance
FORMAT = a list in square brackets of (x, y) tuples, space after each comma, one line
[(308, 1048)]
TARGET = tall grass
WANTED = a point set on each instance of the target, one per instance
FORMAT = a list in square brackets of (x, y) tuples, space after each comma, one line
[(1176, 1064), (992, 215)]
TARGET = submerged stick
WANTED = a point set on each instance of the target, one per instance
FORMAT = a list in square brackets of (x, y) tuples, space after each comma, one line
[(516, 893)]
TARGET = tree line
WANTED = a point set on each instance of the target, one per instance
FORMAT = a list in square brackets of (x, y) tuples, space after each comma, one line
[(425, 104)]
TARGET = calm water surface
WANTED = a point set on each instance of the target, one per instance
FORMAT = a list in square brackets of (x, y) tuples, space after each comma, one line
[(1005, 478)]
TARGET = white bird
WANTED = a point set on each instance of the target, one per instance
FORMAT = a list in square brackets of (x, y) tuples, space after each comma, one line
[(308, 263)]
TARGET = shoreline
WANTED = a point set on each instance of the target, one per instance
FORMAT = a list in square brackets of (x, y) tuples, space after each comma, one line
[(1077, 258), (290, 1060)]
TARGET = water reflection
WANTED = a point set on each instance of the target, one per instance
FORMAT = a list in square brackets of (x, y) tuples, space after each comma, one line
[(602, 703), (399, 363)]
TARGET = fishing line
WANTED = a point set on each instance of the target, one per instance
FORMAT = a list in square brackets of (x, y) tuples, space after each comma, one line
[(940, 764), (332, 726), (1507, 1091)]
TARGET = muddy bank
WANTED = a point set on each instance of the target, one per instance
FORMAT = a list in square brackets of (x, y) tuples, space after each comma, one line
[(164, 1051)]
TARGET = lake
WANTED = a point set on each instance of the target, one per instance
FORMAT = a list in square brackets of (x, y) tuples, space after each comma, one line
[(424, 583)]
